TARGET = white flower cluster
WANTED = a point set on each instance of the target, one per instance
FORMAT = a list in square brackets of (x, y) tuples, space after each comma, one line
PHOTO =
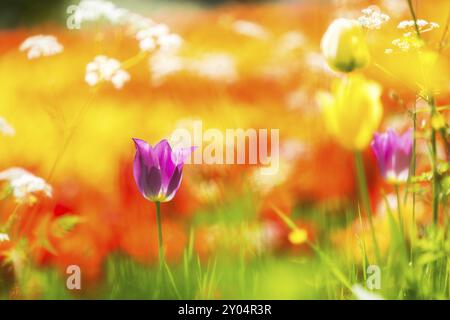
[(214, 66), (373, 18), (423, 25), (158, 36), (93, 10), (250, 29), (150, 35), (409, 41), (103, 68), (405, 44), (5, 128), (24, 184), (4, 237), (41, 45)]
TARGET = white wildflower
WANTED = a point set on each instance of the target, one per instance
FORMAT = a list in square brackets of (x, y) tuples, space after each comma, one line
[(93, 10), (407, 43), (169, 43), (423, 25), (373, 18), (5, 128), (409, 40), (363, 294), (158, 36), (103, 68), (136, 22), (215, 67), (41, 45), (250, 29), (163, 65), (291, 41), (4, 237), (388, 51), (24, 184)]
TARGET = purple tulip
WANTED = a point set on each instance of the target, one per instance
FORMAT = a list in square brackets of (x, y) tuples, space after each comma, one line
[(393, 153), (158, 171)]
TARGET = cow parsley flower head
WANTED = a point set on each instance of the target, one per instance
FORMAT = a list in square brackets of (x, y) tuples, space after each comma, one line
[(5, 128), (406, 43), (136, 22), (24, 184), (4, 237), (94, 10), (218, 67), (373, 18), (170, 42), (158, 36), (409, 40), (103, 68), (250, 29), (423, 25), (41, 45), (163, 65)]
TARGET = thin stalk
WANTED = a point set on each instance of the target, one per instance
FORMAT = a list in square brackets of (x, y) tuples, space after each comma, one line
[(413, 171), (435, 182), (364, 195), (134, 60), (399, 209), (11, 219), (413, 14), (160, 237)]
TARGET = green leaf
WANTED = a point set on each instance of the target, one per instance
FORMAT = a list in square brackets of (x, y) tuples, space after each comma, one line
[(65, 224)]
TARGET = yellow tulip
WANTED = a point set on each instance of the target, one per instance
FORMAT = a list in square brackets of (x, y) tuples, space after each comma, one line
[(344, 45), (353, 111)]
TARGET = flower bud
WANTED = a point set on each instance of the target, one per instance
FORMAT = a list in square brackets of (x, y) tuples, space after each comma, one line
[(352, 111), (344, 46)]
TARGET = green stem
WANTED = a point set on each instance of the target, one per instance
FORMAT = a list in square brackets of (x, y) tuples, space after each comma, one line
[(435, 182), (11, 219), (399, 210), (364, 194), (413, 170), (160, 238), (413, 14)]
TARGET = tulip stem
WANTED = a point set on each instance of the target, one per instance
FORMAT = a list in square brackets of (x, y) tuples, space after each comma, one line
[(434, 164), (160, 238), (364, 195), (399, 210), (413, 226)]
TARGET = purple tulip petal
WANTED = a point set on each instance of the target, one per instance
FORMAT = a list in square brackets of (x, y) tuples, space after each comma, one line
[(152, 183), (175, 182), (180, 155), (144, 160), (158, 171), (393, 153)]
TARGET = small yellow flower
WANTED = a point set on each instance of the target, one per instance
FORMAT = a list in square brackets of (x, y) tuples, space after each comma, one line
[(298, 236), (438, 121), (353, 111), (344, 45)]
